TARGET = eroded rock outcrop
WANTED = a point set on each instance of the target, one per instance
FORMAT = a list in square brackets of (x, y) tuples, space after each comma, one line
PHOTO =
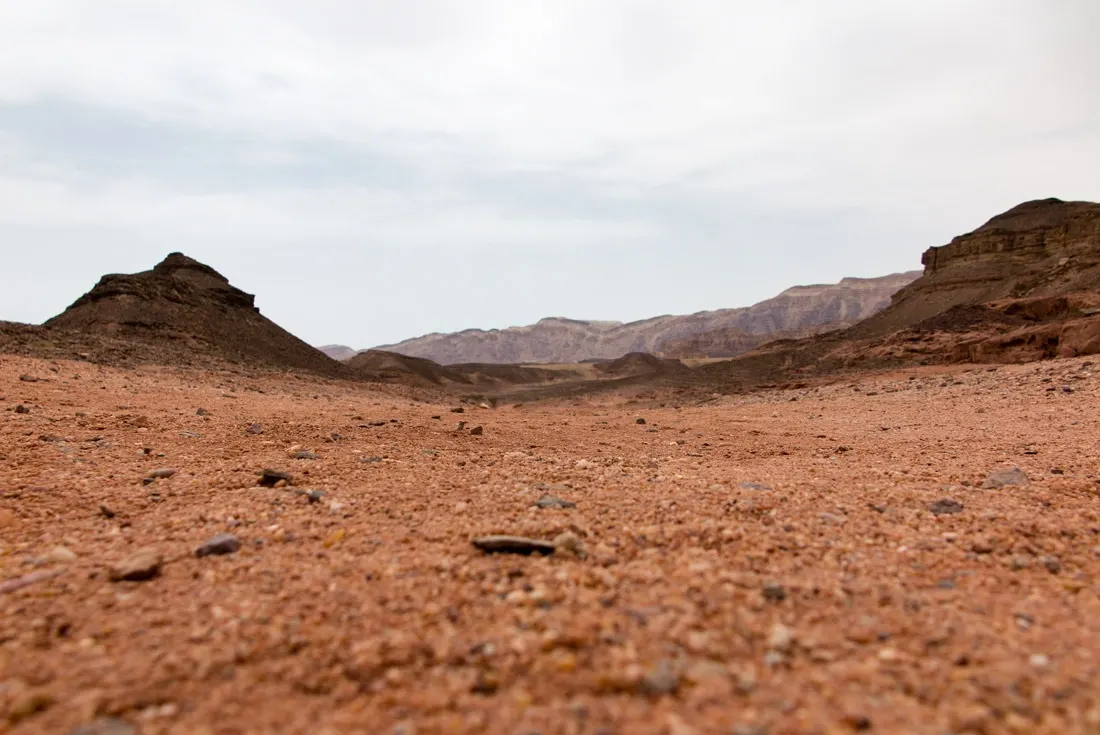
[(1041, 248)]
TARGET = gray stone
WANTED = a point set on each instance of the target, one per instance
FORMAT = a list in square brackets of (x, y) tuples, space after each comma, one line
[(550, 501), (255, 429), (477, 431), (219, 544), (1005, 476), (305, 454)]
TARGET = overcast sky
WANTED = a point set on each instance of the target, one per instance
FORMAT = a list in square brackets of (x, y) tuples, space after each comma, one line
[(374, 170)]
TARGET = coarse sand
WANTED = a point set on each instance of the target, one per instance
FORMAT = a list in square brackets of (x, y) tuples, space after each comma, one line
[(819, 560)]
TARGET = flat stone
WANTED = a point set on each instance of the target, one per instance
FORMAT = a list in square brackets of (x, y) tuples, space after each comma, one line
[(28, 378), (138, 567), (255, 429), (1006, 476), (161, 474), (270, 478), (105, 726), (946, 507), (550, 501), (305, 454), (513, 545), (219, 544), (477, 431), (759, 487)]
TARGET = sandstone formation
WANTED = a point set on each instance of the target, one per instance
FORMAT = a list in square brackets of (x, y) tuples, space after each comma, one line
[(559, 340), (186, 308)]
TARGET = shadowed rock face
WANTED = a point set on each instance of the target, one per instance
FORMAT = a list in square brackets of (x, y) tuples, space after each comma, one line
[(805, 308), (1025, 286), (189, 308)]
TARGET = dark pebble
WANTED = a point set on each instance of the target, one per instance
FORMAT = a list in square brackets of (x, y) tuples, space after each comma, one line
[(513, 545), (222, 543), (268, 478)]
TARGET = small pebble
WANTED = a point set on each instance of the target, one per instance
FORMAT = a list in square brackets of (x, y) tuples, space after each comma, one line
[(255, 429), (477, 431), (775, 592), (513, 545), (304, 454)]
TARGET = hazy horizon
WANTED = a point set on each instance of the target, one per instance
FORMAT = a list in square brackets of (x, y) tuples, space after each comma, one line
[(374, 172)]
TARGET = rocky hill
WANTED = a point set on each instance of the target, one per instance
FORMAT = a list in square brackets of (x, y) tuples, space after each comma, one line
[(1024, 286), (559, 340), (187, 310)]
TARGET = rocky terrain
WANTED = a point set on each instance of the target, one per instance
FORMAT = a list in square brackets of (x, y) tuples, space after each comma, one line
[(207, 526), (558, 340), (186, 551)]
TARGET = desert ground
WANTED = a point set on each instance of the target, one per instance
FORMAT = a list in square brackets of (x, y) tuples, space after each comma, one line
[(841, 557)]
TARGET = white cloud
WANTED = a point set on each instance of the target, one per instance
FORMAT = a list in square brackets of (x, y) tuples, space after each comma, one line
[(633, 123)]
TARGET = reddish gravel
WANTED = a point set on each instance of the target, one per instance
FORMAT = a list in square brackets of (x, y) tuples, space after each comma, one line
[(826, 598)]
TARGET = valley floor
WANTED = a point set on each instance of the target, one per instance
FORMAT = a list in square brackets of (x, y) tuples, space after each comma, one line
[(815, 560)]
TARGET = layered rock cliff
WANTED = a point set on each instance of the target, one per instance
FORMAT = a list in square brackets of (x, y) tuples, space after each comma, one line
[(1046, 247)]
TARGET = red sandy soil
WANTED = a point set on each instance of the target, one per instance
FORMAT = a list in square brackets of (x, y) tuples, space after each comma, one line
[(830, 600)]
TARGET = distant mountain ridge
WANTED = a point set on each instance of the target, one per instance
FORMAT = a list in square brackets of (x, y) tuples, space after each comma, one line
[(799, 309)]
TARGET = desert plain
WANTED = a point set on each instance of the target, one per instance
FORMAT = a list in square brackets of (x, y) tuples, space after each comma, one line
[(908, 551)]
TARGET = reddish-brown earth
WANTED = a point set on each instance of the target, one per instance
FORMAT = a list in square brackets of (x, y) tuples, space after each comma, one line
[(821, 559)]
